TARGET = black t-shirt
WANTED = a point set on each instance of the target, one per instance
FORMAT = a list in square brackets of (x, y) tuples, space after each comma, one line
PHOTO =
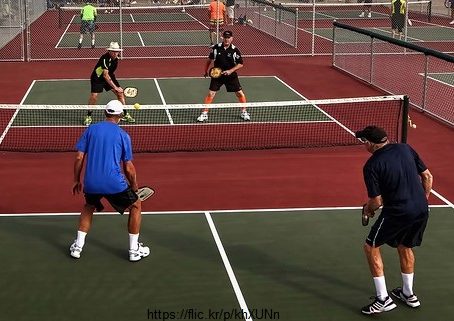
[(105, 62), (393, 172), (225, 58)]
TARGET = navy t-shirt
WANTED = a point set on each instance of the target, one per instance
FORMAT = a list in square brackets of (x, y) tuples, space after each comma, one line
[(106, 145), (393, 172)]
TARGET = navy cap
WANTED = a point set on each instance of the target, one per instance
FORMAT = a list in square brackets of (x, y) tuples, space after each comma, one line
[(227, 34), (372, 134)]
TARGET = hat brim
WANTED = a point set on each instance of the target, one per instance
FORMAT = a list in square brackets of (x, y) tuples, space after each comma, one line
[(114, 49)]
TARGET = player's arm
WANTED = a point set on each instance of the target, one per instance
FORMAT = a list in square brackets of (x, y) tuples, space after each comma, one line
[(372, 205), (427, 180), (105, 74), (78, 165), (130, 173)]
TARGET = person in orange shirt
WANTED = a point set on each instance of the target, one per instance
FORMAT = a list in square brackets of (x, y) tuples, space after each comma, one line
[(218, 15)]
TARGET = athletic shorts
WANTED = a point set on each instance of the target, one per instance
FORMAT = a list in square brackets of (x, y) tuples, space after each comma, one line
[(394, 231), (87, 26), (120, 201), (214, 25), (231, 82), (397, 21), (100, 84)]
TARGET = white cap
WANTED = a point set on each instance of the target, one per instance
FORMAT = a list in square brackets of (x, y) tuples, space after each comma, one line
[(114, 46), (114, 107)]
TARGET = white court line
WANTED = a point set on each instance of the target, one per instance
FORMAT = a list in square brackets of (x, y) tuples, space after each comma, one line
[(140, 38), (235, 211), (228, 267), (169, 116), (10, 123), (438, 80), (320, 109), (64, 32)]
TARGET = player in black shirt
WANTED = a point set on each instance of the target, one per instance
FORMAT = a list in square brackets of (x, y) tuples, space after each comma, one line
[(397, 179), (103, 78), (226, 56)]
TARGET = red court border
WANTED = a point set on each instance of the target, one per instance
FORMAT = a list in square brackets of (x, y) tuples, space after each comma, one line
[(41, 182)]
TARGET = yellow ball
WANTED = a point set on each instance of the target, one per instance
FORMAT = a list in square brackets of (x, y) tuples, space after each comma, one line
[(137, 106)]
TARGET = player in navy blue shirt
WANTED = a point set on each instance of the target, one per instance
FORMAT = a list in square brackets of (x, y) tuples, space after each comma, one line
[(106, 149), (397, 179)]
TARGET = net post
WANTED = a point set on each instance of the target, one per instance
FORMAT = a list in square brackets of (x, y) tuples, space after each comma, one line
[(404, 133)]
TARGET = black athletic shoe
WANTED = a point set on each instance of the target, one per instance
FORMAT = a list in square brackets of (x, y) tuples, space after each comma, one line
[(379, 306), (412, 300), (79, 46)]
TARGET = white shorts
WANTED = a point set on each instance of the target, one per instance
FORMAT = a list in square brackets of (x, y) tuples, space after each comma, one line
[(231, 12)]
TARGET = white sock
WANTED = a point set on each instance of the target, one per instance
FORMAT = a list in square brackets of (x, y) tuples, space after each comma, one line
[(133, 241), (407, 283), (380, 287), (80, 240)]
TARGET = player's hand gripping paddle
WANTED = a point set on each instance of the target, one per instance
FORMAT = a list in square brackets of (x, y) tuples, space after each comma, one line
[(364, 216), (215, 72), (144, 193), (130, 92)]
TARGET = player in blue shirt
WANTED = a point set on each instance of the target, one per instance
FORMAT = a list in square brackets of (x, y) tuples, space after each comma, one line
[(397, 179), (106, 149)]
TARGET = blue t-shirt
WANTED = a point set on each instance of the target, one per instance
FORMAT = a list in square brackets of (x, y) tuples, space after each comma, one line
[(393, 172), (106, 145)]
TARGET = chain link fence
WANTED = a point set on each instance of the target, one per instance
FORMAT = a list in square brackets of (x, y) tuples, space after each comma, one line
[(425, 75), (161, 29)]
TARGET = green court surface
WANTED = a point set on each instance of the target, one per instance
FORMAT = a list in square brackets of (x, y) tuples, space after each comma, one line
[(295, 265), (140, 39), (163, 92), (446, 77), (414, 34)]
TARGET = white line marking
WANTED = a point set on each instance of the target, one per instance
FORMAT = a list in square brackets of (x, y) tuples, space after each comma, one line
[(236, 211), (140, 38), (169, 116), (228, 267)]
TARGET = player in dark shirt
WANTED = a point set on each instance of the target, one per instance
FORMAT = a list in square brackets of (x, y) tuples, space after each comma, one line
[(226, 56), (103, 78), (397, 179)]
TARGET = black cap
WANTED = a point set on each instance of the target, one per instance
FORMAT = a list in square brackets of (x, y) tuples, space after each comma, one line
[(372, 134), (227, 34)]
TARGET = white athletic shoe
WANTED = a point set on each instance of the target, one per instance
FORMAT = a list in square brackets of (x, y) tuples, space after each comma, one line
[(361, 15), (203, 117), (452, 22), (369, 15), (245, 115), (141, 252), (74, 250)]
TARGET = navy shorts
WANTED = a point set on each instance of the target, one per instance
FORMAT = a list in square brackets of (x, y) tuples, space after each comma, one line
[(397, 230), (119, 201), (87, 26), (100, 84), (231, 82)]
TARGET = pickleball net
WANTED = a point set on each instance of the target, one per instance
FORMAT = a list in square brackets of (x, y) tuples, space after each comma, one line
[(168, 128)]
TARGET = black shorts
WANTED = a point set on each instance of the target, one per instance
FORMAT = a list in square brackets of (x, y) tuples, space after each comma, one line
[(231, 82), (120, 201), (100, 84), (394, 231), (397, 21), (87, 26)]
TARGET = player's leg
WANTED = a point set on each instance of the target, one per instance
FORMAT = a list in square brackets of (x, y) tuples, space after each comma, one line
[(382, 300), (128, 199), (233, 85), (215, 85), (92, 202)]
